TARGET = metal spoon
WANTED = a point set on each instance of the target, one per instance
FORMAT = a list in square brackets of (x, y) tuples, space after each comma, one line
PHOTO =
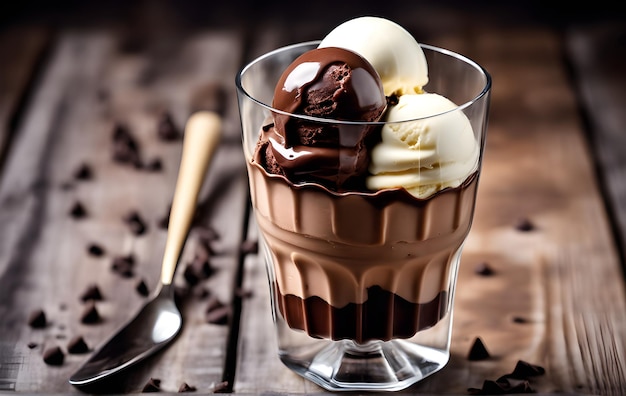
[(159, 321)]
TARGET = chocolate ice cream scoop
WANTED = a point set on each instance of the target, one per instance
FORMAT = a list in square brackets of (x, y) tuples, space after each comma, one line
[(330, 85)]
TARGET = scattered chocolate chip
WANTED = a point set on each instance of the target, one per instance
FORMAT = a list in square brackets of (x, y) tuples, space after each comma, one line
[(250, 247), (92, 293), (125, 146), (519, 319), (199, 269), (37, 319), (166, 130), (190, 275), (478, 350), (54, 356), (77, 345), (524, 225), (83, 172), (483, 269), (515, 382), (268, 127), (90, 314), (78, 211), (124, 266), (142, 288), (32, 345), (153, 385), (135, 223), (95, 250), (155, 165), (503, 387), (217, 312), (184, 387), (524, 370)]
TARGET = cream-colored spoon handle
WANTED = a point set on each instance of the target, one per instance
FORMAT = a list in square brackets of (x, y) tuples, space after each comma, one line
[(202, 135)]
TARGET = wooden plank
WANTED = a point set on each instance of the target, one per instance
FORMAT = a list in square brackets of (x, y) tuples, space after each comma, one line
[(556, 298), (597, 56), (89, 86), (21, 49)]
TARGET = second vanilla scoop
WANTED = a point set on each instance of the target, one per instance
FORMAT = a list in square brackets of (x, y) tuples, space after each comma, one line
[(433, 151)]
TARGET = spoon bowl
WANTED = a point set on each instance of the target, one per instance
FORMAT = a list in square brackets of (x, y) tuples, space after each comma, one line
[(154, 326)]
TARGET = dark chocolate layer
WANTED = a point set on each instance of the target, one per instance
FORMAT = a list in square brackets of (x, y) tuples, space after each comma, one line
[(383, 316)]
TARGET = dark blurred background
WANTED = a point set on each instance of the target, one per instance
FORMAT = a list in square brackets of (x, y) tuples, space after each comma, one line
[(197, 14)]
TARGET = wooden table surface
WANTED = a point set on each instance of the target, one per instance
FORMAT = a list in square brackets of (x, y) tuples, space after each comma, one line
[(555, 161)]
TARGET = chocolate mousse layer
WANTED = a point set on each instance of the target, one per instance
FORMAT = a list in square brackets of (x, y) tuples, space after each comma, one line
[(360, 266)]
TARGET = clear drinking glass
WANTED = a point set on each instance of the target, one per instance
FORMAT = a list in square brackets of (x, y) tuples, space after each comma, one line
[(362, 283)]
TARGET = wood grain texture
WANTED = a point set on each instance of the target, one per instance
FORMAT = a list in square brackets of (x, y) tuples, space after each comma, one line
[(88, 87), (598, 57), (556, 297), (21, 48)]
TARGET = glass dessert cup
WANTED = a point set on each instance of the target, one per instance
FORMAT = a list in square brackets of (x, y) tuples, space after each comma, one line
[(362, 283)]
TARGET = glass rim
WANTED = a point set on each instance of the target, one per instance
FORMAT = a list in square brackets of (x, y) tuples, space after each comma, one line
[(486, 88)]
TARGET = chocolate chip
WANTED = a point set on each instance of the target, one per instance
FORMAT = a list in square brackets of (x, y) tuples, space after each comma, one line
[(95, 250), (124, 266), (184, 387), (54, 356), (483, 269), (125, 146), (32, 345), (83, 172), (78, 211), (516, 382), (77, 345), (478, 350), (268, 127), (217, 312), (135, 223), (519, 319), (199, 269), (166, 130), (37, 319), (90, 314), (153, 385), (525, 225), (503, 387), (250, 247), (92, 293), (524, 370), (142, 288)]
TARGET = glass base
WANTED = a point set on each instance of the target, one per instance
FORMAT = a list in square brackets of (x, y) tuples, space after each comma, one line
[(377, 365)]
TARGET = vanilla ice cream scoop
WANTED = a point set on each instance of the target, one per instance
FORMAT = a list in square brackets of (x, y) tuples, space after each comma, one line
[(394, 53), (427, 154)]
